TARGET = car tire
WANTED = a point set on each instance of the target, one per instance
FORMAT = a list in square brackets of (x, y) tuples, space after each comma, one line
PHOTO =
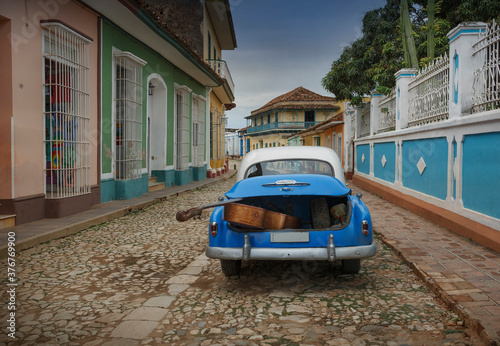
[(320, 214), (230, 267), (351, 266)]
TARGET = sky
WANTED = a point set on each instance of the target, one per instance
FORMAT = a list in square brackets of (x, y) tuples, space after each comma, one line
[(284, 44)]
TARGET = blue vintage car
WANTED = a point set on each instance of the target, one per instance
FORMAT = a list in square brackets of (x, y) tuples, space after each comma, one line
[(290, 203)]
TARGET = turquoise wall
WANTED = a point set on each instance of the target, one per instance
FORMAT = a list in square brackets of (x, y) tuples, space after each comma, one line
[(387, 172), (481, 173), (433, 180), (363, 167), (113, 36)]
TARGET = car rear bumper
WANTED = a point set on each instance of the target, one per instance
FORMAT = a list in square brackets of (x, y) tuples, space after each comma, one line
[(330, 252)]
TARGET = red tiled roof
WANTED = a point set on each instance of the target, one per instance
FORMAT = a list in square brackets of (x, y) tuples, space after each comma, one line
[(299, 98)]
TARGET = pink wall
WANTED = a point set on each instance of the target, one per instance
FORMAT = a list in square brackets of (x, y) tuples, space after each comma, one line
[(27, 84), (5, 110)]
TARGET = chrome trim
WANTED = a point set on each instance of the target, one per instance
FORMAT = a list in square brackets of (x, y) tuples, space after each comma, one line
[(247, 248), (315, 253), (330, 248)]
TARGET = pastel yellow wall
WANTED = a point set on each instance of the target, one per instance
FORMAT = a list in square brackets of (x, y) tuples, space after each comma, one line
[(208, 27), (267, 139), (217, 136), (27, 87), (309, 139), (294, 115)]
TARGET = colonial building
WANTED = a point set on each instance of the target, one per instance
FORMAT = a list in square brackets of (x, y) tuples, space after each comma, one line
[(219, 35), (50, 111), (156, 125), (328, 133), (299, 109), (124, 90)]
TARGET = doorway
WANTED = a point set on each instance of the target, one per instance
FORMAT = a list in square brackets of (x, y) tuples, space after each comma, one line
[(156, 141)]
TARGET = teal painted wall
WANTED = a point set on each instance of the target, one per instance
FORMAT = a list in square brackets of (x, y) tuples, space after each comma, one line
[(433, 180), (481, 173), (115, 37), (387, 172), (363, 167)]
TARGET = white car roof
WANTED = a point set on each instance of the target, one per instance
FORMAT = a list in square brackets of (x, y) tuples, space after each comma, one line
[(292, 152)]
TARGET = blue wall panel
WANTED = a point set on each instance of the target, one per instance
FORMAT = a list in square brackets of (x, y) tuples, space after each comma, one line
[(433, 180), (387, 172), (363, 167), (481, 173)]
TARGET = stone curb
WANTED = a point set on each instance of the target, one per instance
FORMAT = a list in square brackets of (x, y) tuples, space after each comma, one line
[(82, 225), (488, 336)]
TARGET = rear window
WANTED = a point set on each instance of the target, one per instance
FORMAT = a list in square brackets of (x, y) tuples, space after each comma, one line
[(291, 166)]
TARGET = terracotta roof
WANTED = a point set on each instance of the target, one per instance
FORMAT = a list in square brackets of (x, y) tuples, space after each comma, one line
[(299, 98), (322, 125), (155, 11)]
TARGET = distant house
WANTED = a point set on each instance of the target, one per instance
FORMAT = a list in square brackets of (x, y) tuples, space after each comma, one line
[(286, 114), (328, 133)]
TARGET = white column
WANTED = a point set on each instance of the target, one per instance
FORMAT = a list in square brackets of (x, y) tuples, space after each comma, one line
[(208, 132), (462, 66), (403, 78)]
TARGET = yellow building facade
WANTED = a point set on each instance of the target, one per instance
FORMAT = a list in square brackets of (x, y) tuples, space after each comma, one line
[(218, 35), (299, 109)]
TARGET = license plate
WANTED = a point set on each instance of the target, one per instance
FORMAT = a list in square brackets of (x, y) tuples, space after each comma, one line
[(289, 237)]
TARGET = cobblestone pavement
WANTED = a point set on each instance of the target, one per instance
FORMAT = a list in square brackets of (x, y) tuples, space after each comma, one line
[(144, 279)]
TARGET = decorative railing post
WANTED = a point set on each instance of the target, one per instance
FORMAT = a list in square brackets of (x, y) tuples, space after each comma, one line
[(462, 66), (403, 78)]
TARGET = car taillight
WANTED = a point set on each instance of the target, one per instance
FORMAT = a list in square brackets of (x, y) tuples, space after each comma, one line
[(214, 229), (365, 227)]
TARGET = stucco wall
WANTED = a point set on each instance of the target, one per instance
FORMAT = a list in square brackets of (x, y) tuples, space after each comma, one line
[(160, 68), (5, 109), (27, 90)]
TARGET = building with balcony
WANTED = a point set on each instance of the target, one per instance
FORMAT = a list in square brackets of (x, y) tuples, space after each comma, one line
[(328, 133), (297, 110), (218, 35)]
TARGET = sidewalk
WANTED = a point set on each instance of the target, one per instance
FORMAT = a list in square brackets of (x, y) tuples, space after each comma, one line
[(464, 274), (40, 231)]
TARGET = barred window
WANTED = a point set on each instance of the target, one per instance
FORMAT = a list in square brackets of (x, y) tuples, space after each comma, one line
[(214, 126), (66, 111), (182, 95), (128, 115), (198, 130)]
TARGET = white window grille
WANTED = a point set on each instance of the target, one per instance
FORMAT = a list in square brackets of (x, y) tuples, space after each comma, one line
[(128, 115), (66, 113), (429, 94), (221, 136), (365, 121), (387, 115), (339, 145), (182, 95), (317, 141), (214, 128), (199, 130), (486, 85)]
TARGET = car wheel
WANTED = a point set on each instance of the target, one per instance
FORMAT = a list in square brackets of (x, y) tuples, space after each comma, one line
[(351, 266), (230, 267), (320, 214)]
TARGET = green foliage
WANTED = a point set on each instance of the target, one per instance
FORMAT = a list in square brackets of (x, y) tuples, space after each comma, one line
[(409, 48), (372, 60)]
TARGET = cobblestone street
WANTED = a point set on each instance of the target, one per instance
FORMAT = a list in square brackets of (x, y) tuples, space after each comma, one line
[(144, 279)]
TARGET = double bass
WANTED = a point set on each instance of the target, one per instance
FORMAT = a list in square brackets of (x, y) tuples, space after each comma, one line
[(245, 215)]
